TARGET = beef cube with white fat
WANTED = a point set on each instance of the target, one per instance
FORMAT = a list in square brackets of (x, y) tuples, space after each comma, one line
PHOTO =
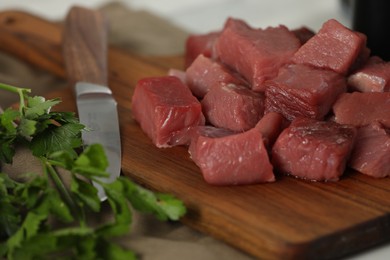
[(204, 73), (313, 150), (374, 76), (334, 47), (231, 159), (303, 91), (164, 108), (371, 154), (360, 109), (257, 54), (233, 107)]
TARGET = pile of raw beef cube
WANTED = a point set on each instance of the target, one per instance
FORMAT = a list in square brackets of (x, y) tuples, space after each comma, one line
[(253, 103)]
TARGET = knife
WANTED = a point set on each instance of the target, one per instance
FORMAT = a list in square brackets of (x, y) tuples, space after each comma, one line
[(85, 56)]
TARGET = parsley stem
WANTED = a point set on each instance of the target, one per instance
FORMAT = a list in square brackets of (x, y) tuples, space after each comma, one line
[(64, 191), (20, 91)]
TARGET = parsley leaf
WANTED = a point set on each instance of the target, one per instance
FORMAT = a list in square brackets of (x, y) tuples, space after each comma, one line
[(45, 217), (56, 138), (7, 151), (38, 106), (9, 218), (92, 162), (163, 206), (7, 119), (27, 127), (86, 193), (8, 134)]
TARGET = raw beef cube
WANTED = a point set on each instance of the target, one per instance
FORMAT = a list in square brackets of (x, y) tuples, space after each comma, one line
[(303, 91), (178, 74), (313, 150), (232, 159), (361, 59), (361, 109), (206, 131), (257, 54), (199, 44), (270, 126), (233, 107), (373, 77), (371, 154), (303, 34), (334, 47), (183, 137), (164, 107), (204, 73)]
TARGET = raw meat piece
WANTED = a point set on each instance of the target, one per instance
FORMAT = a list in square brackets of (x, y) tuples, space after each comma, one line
[(334, 47), (303, 91), (361, 59), (205, 73), (361, 109), (373, 77), (235, 159), (313, 150), (233, 107), (164, 107), (206, 131), (182, 137), (256, 54), (178, 74), (303, 34), (270, 126), (199, 44), (371, 154)]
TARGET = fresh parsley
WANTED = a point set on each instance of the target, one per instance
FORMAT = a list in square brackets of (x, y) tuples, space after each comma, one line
[(44, 217)]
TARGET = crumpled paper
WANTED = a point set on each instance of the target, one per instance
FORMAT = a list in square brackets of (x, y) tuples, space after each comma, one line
[(145, 34)]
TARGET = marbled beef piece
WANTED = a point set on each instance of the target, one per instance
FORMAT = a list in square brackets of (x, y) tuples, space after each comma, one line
[(234, 159), (334, 47), (361, 109), (199, 44), (233, 107), (164, 107), (371, 154), (372, 77), (205, 73), (313, 150), (270, 126), (303, 34), (257, 54), (303, 91)]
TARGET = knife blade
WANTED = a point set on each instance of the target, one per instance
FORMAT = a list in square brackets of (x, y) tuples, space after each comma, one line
[(85, 56)]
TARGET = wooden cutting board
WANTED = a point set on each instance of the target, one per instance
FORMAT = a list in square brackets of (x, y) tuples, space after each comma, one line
[(287, 219)]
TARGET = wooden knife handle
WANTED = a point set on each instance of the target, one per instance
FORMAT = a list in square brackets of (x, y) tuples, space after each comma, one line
[(85, 46)]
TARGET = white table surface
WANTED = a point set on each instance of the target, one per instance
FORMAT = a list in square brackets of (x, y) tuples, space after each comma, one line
[(201, 16)]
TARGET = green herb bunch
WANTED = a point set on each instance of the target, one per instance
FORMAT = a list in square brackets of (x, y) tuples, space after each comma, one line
[(44, 217)]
